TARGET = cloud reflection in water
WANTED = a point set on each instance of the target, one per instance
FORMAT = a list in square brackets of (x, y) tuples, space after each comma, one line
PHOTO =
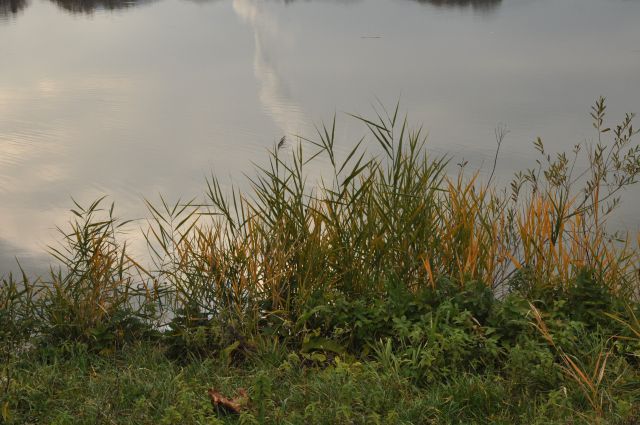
[(274, 96)]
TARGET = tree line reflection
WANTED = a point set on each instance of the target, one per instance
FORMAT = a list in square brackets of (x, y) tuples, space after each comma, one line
[(89, 6), (479, 5), (11, 8)]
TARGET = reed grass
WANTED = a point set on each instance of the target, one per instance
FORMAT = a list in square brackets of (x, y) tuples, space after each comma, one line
[(395, 217), (368, 248), (372, 221)]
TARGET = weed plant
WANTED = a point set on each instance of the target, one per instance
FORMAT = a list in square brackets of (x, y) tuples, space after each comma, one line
[(389, 290)]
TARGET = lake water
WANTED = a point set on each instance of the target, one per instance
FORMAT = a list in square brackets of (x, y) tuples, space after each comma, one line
[(135, 98)]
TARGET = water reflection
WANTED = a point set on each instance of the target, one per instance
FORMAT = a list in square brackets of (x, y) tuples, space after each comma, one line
[(477, 5), (274, 93), (89, 6), (287, 2), (14, 259), (9, 8)]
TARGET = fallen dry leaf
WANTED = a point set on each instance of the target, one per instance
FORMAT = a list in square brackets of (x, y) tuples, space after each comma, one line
[(229, 405)]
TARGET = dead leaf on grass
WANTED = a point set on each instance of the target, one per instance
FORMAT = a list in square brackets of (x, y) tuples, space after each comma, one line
[(229, 405)]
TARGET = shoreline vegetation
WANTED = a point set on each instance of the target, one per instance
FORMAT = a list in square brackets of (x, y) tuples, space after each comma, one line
[(386, 292)]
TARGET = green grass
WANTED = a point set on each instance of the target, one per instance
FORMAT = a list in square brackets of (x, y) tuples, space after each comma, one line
[(141, 386), (388, 291)]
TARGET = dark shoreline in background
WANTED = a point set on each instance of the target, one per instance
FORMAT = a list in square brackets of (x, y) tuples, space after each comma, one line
[(12, 8)]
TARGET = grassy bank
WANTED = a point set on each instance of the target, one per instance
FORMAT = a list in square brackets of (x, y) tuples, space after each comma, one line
[(389, 291), (141, 385)]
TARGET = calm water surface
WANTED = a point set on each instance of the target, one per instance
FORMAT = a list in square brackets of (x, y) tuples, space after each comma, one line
[(136, 98)]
